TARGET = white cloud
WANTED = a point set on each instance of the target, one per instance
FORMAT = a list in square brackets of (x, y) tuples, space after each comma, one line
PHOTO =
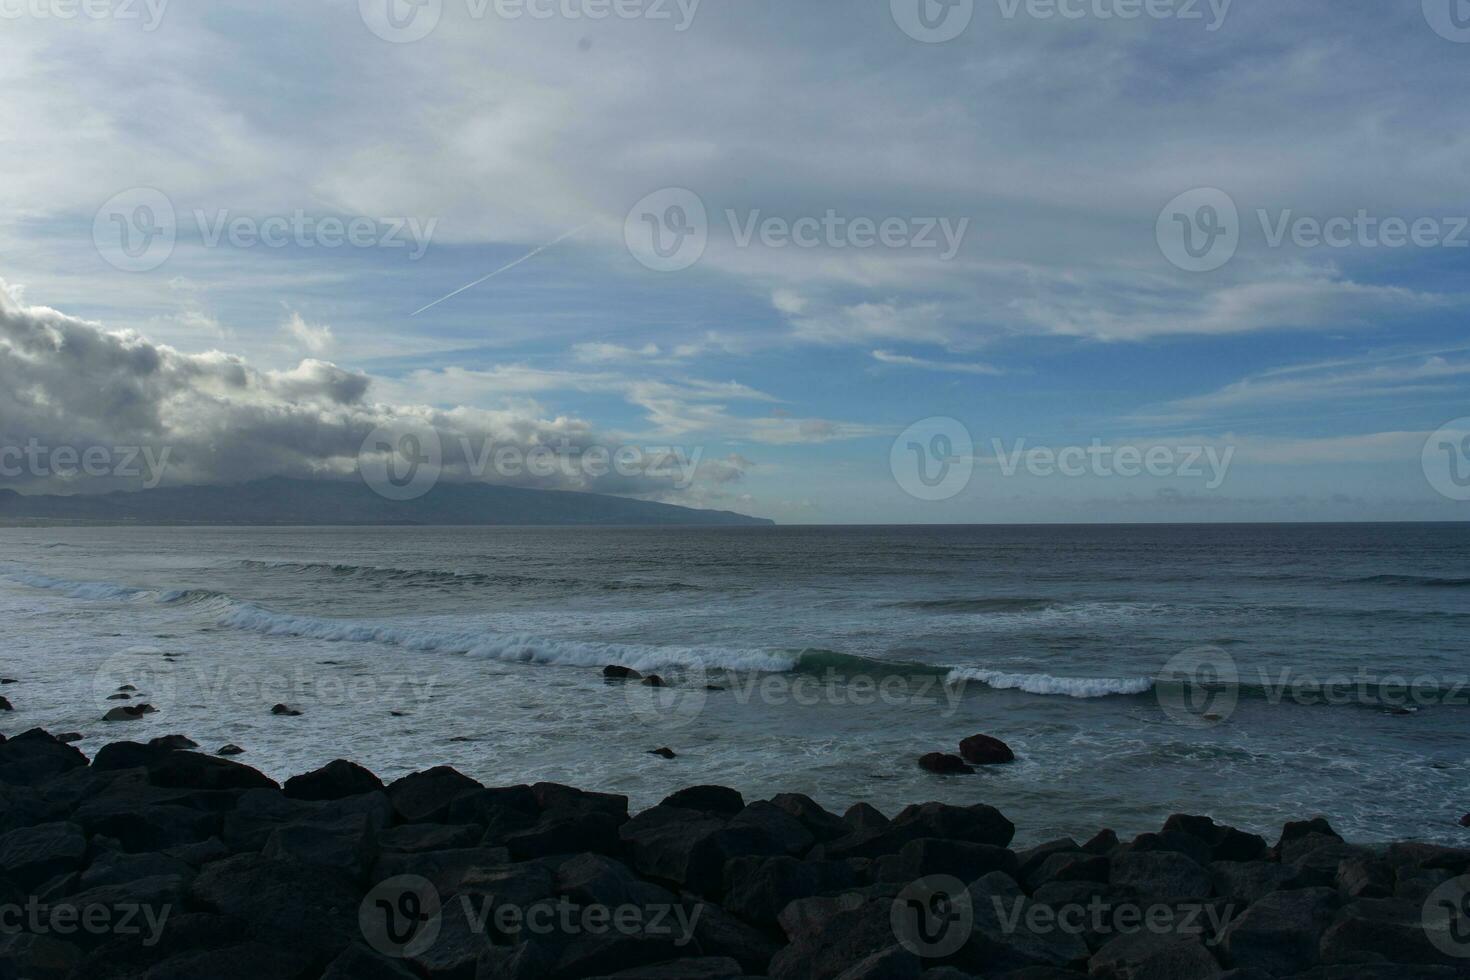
[(316, 338)]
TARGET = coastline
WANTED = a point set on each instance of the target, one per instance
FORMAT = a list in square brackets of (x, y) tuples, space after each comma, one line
[(160, 861)]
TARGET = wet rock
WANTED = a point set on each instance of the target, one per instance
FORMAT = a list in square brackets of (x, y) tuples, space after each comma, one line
[(1225, 843), (822, 825), (689, 848), (425, 797), (31, 855), (1302, 836), (1279, 935), (287, 902), (1160, 876), (554, 798), (1149, 956), (934, 856), (1011, 933), (346, 845), (944, 764), (173, 742), (192, 770), (1382, 930), (893, 963), (34, 757), (413, 838), (664, 753), (758, 888), (357, 962), (1029, 861), (653, 680), (1102, 842), (285, 711), (147, 828), (5, 704), (334, 781), (69, 737), (978, 824), (694, 968), (129, 712), (846, 938), (707, 799), (614, 672), (777, 824), (1248, 882), (1363, 877), (984, 750), (231, 749)]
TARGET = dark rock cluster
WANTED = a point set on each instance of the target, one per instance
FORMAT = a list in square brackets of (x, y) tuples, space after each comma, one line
[(151, 860)]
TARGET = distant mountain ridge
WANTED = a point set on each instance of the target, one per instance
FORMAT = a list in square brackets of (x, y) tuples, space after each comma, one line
[(283, 501)]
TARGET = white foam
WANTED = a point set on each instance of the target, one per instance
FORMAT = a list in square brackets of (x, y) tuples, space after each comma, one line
[(1072, 687), (100, 591)]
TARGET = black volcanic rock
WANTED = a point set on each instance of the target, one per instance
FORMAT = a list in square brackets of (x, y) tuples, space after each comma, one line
[(262, 881), (334, 781), (985, 750)]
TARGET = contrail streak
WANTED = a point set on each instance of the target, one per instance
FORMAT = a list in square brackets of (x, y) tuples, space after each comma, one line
[(505, 268)]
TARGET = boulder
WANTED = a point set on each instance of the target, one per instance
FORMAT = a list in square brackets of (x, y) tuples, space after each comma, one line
[(1365, 877), (845, 939), (934, 856), (414, 838), (822, 825), (775, 822), (1382, 930), (653, 680), (425, 797), (707, 799), (192, 770), (1247, 882), (758, 888), (285, 711), (173, 742), (282, 901), (983, 750), (944, 764), (1160, 876), (893, 963), (31, 855), (1279, 935), (689, 848), (34, 757), (664, 753), (977, 824), (334, 781), (129, 712), (1103, 842), (1145, 955), (616, 673), (357, 962), (231, 749)]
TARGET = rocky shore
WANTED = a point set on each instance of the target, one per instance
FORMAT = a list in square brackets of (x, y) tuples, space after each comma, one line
[(151, 860)]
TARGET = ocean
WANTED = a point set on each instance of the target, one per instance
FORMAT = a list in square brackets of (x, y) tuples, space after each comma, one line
[(1257, 674)]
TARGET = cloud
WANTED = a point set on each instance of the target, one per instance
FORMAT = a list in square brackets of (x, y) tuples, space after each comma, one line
[(1380, 377), (316, 338), (956, 367), (67, 382)]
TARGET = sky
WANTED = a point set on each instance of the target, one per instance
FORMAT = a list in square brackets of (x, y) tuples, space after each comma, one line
[(877, 261)]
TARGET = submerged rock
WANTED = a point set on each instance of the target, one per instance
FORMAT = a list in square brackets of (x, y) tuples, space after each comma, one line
[(231, 749), (129, 712), (984, 750), (5, 705), (616, 673), (653, 680), (944, 764), (665, 753), (285, 710)]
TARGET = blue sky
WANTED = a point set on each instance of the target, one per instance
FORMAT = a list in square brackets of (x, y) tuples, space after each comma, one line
[(1064, 148)]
